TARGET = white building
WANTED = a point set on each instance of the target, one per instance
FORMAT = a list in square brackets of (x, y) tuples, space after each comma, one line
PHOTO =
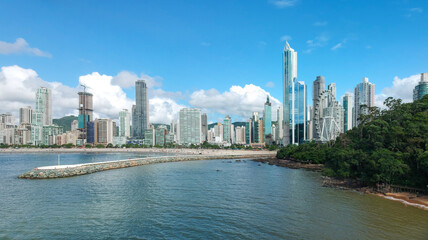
[(124, 123), (190, 126), (363, 95)]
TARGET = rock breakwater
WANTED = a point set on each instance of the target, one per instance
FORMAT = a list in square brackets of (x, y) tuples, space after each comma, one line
[(62, 171)]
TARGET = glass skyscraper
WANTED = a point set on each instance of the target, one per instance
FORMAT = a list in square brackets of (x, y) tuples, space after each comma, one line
[(140, 113), (347, 105), (364, 95), (267, 118), (295, 99), (422, 88)]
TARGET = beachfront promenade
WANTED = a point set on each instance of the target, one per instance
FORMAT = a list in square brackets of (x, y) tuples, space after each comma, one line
[(61, 171)]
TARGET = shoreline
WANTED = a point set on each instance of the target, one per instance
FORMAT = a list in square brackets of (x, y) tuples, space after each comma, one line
[(405, 198)]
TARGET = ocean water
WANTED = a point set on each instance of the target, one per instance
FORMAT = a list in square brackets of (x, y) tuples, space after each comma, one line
[(215, 199)]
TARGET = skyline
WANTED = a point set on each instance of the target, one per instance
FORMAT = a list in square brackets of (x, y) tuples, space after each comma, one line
[(203, 76)]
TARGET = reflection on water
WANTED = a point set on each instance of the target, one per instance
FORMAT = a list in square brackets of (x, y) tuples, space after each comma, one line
[(199, 199)]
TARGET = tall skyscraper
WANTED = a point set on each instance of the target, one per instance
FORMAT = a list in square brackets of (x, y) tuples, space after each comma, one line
[(104, 131), (280, 125), (42, 115), (86, 109), (289, 77), (267, 118), (140, 115), (348, 106), (227, 129), (422, 88), (332, 89), (190, 126), (295, 99), (204, 126), (124, 123), (363, 95), (25, 115), (318, 87)]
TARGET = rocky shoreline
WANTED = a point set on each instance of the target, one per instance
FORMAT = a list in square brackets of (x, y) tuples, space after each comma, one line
[(419, 201)]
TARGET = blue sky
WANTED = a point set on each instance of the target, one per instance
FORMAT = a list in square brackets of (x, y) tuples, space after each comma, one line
[(194, 45)]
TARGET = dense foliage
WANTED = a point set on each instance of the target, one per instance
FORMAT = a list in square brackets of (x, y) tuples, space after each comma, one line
[(389, 146), (65, 122)]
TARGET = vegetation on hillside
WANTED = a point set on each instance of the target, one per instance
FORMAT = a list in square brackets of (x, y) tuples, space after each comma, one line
[(389, 146), (65, 122)]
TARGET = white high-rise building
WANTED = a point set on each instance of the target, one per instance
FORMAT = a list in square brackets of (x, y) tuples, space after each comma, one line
[(295, 100), (124, 123), (190, 126), (104, 129), (363, 95), (240, 135), (42, 114)]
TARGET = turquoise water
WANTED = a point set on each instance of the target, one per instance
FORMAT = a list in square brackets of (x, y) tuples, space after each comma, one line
[(192, 200)]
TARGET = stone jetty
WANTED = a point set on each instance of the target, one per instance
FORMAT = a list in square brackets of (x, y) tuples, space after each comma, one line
[(62, 171)]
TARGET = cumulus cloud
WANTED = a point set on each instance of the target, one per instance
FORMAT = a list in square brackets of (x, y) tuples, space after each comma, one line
[(401, 88), (20, 46), (126, 79), (238, 101), (284, 3), (18, 89)]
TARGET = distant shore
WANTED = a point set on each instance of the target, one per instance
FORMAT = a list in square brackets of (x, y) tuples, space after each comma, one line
[(186, 151)]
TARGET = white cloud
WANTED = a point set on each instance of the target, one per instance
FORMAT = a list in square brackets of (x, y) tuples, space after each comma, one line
[(20, 46), (285, 38), (126, 79), (320, 24), (339, 45), (284, 3), (413, 11), (401, 88), (238, 101), (19, 85), (18, 89), (319, 41), (270, 84), (163, 110)]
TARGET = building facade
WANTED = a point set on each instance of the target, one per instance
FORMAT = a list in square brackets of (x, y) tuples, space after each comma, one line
[(363, 99), (267, 118), (124, 123), (190, 126), (348, 107), (25, 115), (140, 113), (422, 88)]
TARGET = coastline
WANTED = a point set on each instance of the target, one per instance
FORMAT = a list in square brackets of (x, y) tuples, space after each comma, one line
[(408, 199)]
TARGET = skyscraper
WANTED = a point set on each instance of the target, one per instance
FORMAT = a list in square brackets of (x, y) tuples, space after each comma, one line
[(227, 129), (204, 127), (318, 87), (140, 115), (363, 96), (295, 103), (85, 109), (25, 115), (289, 77), (332, 89), (42, 115), (347, 105), (190, 126), (124, 123), (280, 119), (422, 88), (295, 99), (267, 118)]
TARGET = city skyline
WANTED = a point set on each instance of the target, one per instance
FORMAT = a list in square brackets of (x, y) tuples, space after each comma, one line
[(25, 57)]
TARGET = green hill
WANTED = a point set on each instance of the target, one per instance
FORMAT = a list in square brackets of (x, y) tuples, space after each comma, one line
[(389, 146), (65, 122)]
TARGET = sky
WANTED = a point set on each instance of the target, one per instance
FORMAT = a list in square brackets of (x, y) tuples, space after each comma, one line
[(223, 57)]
